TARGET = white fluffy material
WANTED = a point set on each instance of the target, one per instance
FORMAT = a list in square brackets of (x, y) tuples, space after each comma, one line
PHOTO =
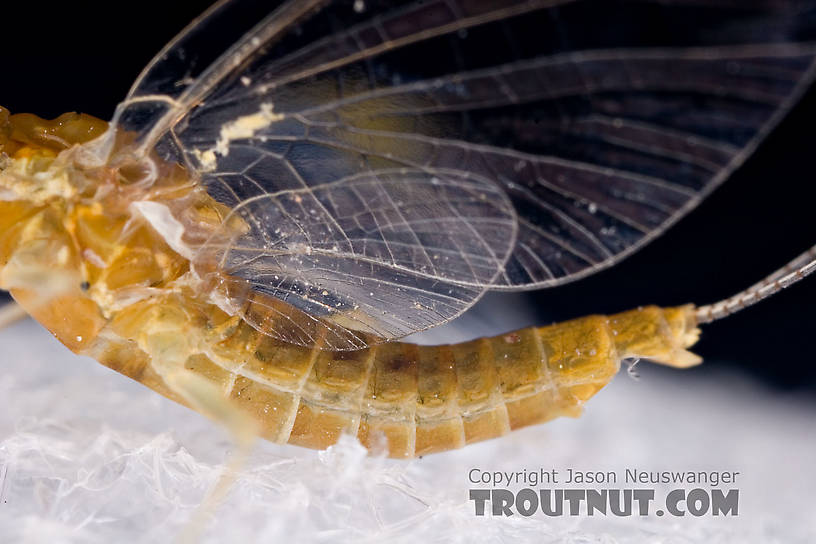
[(87, 455)]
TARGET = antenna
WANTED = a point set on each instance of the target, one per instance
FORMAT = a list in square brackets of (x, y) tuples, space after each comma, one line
[(789, 274)]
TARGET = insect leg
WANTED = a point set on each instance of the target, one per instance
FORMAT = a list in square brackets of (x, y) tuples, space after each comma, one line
[(40, 268), (207, 399), (170, 348), (11, 313)]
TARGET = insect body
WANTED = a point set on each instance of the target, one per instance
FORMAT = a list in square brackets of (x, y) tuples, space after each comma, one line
[(259, 237), (421, 398)]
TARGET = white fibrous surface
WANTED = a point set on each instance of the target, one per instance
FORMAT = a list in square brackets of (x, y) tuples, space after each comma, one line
[(87, 455)]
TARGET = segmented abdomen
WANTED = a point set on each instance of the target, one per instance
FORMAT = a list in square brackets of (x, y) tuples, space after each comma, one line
[(406, 399), (403, 398), (424, 399), (109, 286)]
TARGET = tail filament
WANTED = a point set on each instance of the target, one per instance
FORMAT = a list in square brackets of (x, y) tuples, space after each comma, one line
[(794, 271)]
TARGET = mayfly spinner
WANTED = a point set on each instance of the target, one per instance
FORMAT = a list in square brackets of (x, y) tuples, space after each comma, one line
[(261, 222)]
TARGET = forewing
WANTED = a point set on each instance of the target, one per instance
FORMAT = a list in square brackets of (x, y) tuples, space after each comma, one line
[(602, 121)]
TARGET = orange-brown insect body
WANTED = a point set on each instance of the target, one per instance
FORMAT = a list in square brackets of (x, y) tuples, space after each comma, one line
[(76, 256)]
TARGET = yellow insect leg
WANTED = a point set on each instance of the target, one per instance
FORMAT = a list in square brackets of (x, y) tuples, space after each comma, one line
[(165, 339), (11, 313)]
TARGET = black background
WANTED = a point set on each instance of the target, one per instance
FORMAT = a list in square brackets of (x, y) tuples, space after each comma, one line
[(84, 56)]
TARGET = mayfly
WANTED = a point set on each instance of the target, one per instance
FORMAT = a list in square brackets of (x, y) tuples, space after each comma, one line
[(260, 223)]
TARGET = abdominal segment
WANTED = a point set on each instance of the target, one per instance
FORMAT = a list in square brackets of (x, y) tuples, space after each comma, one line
[(398, 398), (108, 285)]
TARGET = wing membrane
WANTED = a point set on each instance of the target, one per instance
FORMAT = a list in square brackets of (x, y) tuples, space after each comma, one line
[(593, 124), (383, 254)]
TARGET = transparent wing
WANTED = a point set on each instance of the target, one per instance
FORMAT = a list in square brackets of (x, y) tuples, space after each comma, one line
[(602, 122), (376, 254)]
